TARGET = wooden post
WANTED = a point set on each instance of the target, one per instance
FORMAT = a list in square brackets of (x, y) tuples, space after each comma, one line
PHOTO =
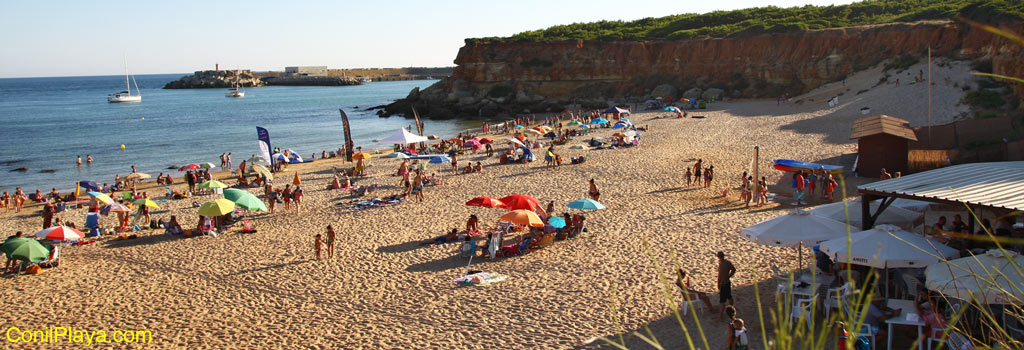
[(867, 222)]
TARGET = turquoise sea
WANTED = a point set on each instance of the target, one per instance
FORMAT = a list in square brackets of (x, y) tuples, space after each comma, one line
[(46, 122)]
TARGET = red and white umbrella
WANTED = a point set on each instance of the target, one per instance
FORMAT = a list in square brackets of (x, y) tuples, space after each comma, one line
[(189, 167), (60, 233)]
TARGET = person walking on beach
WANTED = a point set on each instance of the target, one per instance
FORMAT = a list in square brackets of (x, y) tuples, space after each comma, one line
[(708, 175), (330, 242), (798, 180), (286, 195), (297, 197), (317, 244), (417, 185), (697, 176), (725, 272), (730, 331), (594, 193)]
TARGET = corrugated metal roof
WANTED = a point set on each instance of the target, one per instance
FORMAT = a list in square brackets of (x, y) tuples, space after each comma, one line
[(882, 124), (996, 184)]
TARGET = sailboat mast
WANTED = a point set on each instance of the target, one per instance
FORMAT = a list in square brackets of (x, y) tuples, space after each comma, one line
[(126, 85)]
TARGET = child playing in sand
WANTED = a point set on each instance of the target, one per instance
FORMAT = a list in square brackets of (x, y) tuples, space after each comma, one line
[(316, 244)]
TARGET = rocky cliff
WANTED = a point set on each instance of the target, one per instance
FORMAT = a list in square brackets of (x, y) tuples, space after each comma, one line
[(492, 78), (215, 79)]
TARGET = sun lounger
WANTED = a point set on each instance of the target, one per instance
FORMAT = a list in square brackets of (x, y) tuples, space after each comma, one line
[(515, 249)]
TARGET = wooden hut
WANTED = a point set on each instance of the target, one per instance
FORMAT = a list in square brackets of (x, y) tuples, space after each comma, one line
[(882, 142)]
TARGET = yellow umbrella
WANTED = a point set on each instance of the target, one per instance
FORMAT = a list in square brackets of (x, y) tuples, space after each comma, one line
[(146, 202), (212, 184), (262, 170), (296, 180), (101, 197), (361, 155), (523, 217), (216, 208)]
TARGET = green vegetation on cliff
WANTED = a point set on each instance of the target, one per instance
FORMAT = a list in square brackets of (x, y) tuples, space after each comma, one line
[(720, 24)]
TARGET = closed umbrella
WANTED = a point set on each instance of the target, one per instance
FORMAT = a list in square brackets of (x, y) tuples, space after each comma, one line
[(523, 217), (990, 278), (147, 202), (25, 249), (520, 201), (486, 202), (586, 204), (245, 199), (296, 180), (216, 207), (212, 184), (60, 233)]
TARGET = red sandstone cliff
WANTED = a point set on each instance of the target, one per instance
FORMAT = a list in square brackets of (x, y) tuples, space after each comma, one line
[(492, 77)]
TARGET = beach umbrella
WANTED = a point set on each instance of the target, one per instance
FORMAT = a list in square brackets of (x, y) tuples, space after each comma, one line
[(888, 247), (440, 159), (398, 155), (574, 123), (208, 165), (599, 121), (100, 197), (556, 222), (619, 125), (25, 249), (147, 202), (296, 180), (60, 233), (245, 199), (189, 167), (262, 170), (535, 131), (89, 185), (216, 208), (402, 137), (523, 217), (520, 143), (486, 202), (584, 126), (138, 176), (520, 201), (362, 155), (586, 204), (797, 227), (256, 159), (520, 127), (486, 140), (212, 184), (473, 143), (892, 215), (114, 207), (990, 278)]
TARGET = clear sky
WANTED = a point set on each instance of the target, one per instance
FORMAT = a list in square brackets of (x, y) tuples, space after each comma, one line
[(61, 38)]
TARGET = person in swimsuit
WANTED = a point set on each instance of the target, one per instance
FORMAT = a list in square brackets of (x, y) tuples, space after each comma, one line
[(317, 244), (403, 170), (725, 272), (455, 163), (473, 224), (417, 185), (297, 197), (708, 175), (697, 171), (594, 193), (330, 241), (287, 196), (689, 176)]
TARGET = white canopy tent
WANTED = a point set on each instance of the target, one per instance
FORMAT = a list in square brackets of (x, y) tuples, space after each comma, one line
[(402, 137), (990, 278), (892, 215)]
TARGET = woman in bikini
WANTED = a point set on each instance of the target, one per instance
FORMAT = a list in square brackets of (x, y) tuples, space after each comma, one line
[(594, 193)]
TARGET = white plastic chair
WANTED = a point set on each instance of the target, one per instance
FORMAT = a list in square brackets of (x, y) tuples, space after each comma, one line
[(778, 274), (687, 304), (913, 285), (953, 341), (803, 308), (835, 297)]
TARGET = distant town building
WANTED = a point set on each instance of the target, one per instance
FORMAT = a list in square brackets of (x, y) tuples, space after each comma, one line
[(306, 71)]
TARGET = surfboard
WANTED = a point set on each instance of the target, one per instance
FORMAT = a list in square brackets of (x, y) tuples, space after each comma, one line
[(795, 165)]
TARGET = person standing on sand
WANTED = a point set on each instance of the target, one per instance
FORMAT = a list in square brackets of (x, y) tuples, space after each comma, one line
[(417, 185), (730, 331), (5, 202), (689, 177), (798, 178), (708, 175), (317, 244), (19, 199), (725, 271), (330, 242), (593, 192), (697, 171), (286, 195), (297, 197), (272, 196)]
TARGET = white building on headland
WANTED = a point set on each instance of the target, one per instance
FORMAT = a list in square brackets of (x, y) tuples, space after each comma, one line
[(306, 71)]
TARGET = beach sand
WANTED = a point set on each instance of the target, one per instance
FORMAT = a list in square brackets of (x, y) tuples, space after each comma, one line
[(383, 290)]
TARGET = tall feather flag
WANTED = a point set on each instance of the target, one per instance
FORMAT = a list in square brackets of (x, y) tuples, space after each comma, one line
[(349, 145), (419, 124)]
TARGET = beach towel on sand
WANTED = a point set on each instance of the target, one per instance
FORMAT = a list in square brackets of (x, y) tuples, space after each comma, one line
[(480, 279)]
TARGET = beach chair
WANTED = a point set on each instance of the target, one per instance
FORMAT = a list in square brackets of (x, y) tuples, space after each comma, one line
[(544, 242), (515, 249), (803, 309), (51, 261), (687, 304), (837, 296), (953, 341), (468, 249), (912, 286)]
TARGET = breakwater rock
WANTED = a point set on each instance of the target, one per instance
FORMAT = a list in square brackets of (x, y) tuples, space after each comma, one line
[(215, 79), (532, 77), (311, 81)]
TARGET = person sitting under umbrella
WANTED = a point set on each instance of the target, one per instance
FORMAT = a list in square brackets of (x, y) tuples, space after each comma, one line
[(173, 227)]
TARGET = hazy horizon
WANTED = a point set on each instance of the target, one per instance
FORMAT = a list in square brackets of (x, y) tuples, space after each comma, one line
[(66, 38)]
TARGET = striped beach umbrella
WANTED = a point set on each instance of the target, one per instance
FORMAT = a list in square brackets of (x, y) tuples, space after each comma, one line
[(60, 233)]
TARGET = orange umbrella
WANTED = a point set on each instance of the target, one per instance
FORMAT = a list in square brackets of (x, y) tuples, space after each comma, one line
[(520, 201), (523, 217), (486, 202), (361, 155), (296, 180)]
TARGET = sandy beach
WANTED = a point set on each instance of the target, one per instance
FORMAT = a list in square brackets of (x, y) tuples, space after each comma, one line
[(383, 290)]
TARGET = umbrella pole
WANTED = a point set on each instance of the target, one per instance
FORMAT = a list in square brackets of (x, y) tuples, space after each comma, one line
[(800, 253)]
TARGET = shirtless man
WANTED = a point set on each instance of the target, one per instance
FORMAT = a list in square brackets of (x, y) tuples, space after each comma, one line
[(417, 185), (725, 271)]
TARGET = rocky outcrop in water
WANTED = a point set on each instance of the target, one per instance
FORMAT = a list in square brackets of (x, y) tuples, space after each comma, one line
[(512, 77), (215, 79), (311, 81)]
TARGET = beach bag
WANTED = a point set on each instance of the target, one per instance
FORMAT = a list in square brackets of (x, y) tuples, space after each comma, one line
[(34, 269), (863, 343)]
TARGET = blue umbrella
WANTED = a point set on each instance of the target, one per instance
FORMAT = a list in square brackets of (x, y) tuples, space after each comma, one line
[(586, 204), (556, 222), (520, 127), (440, 159), (89, 185), (624, 120), (584, 126), (619, 125), (599, 121)]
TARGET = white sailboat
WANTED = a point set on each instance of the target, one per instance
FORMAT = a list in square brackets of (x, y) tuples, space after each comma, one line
[(236, 92), (126, 95)]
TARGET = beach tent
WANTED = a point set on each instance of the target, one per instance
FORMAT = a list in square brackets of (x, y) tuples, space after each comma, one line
[(616, 110), (887, 247), (991, 278), (402, 137), (892, 215)]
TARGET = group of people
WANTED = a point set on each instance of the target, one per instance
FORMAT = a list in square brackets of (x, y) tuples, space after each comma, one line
[(735, 330), (16, 201), (809, 183), (700, 175), (288, 195)]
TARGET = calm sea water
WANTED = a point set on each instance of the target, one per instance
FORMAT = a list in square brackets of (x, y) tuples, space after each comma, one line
[(46, 122)]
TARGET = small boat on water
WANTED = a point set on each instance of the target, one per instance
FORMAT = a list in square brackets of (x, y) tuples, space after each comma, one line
[(126, 95), (236, 92), (366, 80)]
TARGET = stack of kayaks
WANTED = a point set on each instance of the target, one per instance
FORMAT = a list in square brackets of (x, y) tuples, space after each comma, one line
[(795, 165)]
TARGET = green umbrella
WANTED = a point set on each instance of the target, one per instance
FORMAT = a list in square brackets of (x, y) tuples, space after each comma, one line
[(209, 165), (25, 249), (217, 208), (212, 184), (245, 199)]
